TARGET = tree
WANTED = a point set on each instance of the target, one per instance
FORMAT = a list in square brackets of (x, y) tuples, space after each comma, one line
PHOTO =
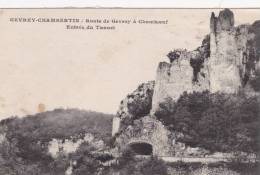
[(217, 122), (174, 55), (86, 163)]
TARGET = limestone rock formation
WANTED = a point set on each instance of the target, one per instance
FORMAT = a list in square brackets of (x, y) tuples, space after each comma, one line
[(137, 104), (226, 61), (142, 94), (186, 73)]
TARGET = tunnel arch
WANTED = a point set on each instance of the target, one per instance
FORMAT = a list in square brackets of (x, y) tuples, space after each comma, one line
[(141, 148)]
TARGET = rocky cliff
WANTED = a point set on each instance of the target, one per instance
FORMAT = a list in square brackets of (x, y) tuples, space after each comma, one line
[(227, 59), (137, 104)]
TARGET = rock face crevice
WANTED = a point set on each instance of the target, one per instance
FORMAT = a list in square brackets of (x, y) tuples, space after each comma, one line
[(226, 61)]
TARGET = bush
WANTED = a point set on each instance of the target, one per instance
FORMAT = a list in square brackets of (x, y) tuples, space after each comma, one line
[(174, 55), (217, 122), (141, 106), (25, 148), (244, 168), (255, 82), (187, 167), (87, 164), (153, 166), (147, 166)]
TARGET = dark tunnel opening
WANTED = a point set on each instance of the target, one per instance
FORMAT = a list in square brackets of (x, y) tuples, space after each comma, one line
[(142, 148)]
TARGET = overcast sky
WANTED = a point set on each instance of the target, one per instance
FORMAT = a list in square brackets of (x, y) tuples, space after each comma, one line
[(43, 63)]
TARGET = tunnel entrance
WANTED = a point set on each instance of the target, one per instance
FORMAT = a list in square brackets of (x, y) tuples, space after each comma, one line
[(142, 148)]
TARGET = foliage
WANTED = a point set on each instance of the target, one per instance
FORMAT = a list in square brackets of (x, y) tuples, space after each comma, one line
[(33, 133), (147, 166), (217, 122), (255, 81), (141, 105), (185, 167), (59, 165), (61, 124), (244, 167), (174, 55), (255, 28), (128, 164), (87, 164), (196, 64), (24, 149), (126, 157), (152, 166)]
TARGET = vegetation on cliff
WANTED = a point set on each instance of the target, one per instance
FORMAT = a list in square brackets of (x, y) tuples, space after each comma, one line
[(136, 105), (141, 104), (218, 122), (175, 54)]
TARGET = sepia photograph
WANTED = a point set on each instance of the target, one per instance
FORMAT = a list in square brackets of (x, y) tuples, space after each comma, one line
[(130, 91)]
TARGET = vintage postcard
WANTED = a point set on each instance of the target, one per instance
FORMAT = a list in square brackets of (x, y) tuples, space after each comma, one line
[(128, 91)]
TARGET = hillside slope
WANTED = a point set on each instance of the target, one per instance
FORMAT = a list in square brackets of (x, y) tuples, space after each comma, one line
[(26, 142)]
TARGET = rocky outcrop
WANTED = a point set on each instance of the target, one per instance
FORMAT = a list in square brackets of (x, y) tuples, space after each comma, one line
[(224, 55), (143, 95), (226, 61), (233, 55), (186, 73), (137, 104)]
